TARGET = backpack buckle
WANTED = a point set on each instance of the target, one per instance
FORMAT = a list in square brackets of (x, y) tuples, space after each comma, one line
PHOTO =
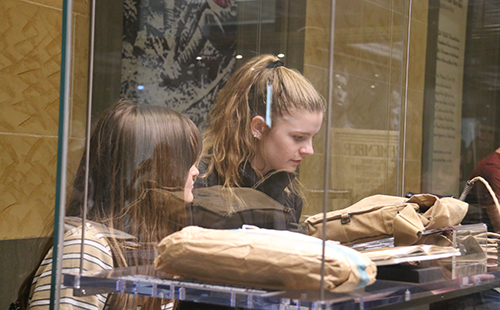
[(345, 218)]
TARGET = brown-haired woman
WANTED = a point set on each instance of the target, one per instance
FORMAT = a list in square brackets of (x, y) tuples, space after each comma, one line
[(260, 129), (140, 176)]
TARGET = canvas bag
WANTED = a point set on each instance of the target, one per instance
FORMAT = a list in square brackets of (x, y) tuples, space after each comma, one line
[(269, 259), (382, 216)]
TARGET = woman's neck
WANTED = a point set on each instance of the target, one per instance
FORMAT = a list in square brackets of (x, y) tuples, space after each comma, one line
[(259, 164)]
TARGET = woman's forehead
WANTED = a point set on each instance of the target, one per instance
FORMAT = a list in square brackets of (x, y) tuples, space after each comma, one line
[(301, 119)]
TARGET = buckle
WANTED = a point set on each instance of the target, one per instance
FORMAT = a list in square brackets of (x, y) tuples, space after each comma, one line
[(345, 218)]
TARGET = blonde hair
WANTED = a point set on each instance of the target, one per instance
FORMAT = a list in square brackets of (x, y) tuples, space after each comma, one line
[(228, 141)]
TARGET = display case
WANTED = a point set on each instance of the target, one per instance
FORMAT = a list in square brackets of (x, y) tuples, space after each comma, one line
[(405, 280), (384, 294), (125, 187)]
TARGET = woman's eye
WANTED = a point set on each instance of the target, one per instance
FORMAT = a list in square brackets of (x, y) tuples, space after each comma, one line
[(298, 138)]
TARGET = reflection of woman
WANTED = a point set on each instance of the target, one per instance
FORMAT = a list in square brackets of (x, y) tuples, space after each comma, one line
[(340, 104), (141, 172), (247, 145)]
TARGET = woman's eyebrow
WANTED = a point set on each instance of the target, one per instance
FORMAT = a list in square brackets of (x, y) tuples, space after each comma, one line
[(306, 133)]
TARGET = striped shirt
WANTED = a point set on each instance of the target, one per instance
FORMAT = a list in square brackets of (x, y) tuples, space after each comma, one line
[(97, 257)]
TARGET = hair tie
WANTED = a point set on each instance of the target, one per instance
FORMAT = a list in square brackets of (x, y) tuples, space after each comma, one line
[(269, 92), (275, 64)]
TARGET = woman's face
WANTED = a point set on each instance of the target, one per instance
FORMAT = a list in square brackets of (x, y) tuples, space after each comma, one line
[(288, 142), (339, 91), (188, 188)]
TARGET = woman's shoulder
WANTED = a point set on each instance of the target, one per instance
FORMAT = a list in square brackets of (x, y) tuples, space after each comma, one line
[(97, 257), (73, 231), (95, 242)]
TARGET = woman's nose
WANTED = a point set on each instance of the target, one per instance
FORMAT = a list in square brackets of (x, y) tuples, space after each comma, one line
[(194, 171), (307, 149)]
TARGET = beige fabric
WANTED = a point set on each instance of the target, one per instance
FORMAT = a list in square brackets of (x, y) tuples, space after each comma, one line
[(382, 216), (97, 257), (262, 258)]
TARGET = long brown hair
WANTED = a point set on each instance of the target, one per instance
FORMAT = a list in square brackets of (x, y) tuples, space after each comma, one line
[(139, 159), (138, 153), (227, 140)]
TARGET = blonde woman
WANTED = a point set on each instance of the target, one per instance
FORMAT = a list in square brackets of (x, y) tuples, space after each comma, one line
[(141, 174), (259, 131)]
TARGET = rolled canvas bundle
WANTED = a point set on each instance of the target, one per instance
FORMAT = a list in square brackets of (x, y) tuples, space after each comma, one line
[(269, 259)]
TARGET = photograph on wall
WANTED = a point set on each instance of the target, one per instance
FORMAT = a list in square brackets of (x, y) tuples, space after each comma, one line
[(178, 52)]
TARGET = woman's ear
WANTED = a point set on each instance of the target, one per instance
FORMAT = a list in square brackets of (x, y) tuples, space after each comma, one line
[(258, 127)]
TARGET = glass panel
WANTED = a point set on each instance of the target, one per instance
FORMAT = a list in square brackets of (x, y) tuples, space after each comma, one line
[(180, 54), (365, 101), (443, 102), (71, 133), (258, 80), (401, 82), (480, 113)]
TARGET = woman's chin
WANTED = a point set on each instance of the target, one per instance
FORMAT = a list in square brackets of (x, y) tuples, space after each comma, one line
[(188, 198), (290, 169)]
